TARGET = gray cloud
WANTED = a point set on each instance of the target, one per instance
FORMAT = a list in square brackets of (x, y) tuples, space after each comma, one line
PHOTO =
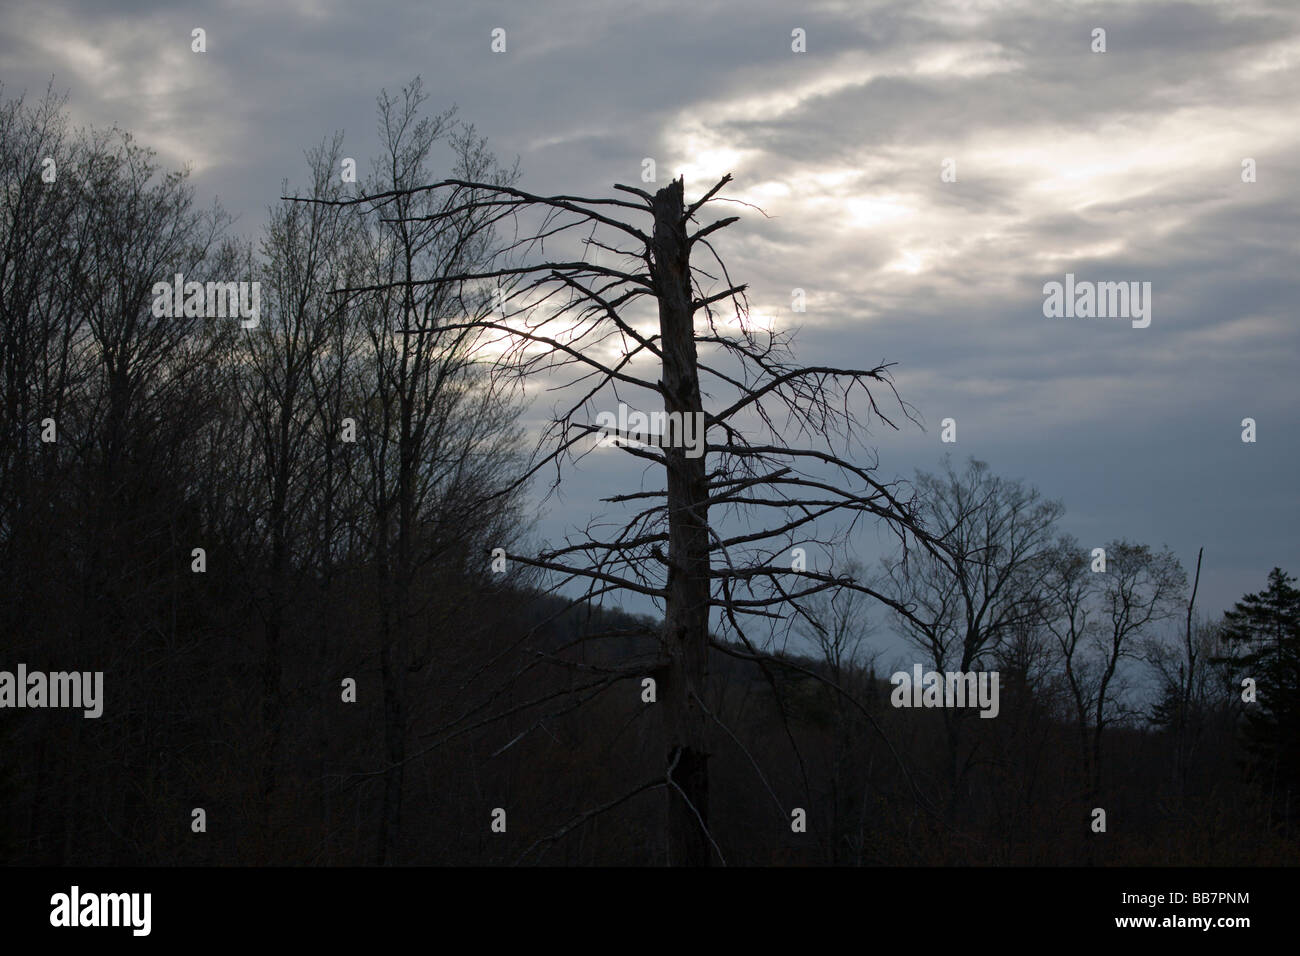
[(1116, 166)]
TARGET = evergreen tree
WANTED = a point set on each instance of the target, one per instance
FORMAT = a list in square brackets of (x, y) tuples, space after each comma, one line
[(1264, 629)]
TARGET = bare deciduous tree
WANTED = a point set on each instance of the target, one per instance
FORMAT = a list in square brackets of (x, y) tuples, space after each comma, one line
[(1098, 619), (978, 587)]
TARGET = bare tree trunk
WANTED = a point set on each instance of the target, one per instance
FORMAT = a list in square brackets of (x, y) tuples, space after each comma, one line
[(272, 711), (392, 665), (686, 618), (1182, 729), (393, 673)]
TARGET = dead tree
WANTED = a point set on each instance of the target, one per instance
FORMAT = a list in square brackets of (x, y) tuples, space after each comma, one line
[(779, 441)]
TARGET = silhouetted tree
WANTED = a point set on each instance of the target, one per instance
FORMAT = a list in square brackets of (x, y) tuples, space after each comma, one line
[(1263, 629), (979, 586), (569, 312)]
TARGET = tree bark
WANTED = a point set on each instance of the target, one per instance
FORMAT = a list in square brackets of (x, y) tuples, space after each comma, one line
[(686, 617)]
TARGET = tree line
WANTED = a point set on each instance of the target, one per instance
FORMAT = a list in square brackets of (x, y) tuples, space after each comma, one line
[(237, 523)]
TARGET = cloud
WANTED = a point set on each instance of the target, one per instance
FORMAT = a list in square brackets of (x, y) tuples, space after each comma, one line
[(1116, 166)]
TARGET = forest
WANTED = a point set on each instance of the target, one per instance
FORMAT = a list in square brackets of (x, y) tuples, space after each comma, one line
[(300, 549)]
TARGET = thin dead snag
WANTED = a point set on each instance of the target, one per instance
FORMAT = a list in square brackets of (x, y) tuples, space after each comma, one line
[(686, 621), (775, 469)]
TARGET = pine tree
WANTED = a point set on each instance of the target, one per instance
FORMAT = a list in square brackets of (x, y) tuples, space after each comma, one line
[(1264, 628)]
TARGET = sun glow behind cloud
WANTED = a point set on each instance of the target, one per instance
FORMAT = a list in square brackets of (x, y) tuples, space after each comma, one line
[(1127, 162)]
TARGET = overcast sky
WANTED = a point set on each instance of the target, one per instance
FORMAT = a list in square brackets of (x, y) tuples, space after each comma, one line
[(1117, 166)]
